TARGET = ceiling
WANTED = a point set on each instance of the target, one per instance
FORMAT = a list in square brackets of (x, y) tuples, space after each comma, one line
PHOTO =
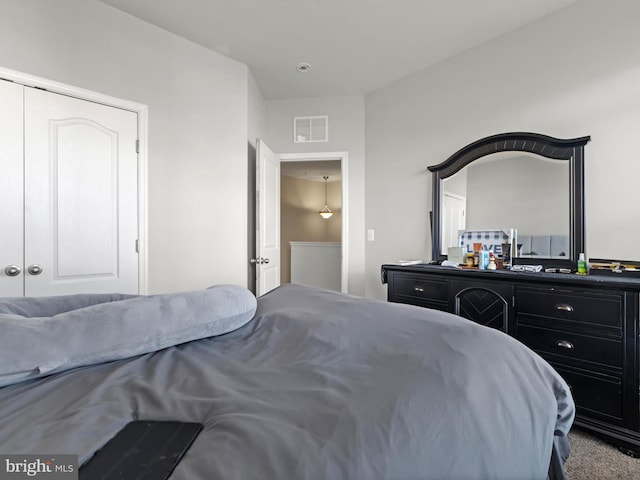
[(353, 46)]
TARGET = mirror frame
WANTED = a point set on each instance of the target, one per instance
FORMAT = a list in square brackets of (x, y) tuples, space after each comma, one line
[(571, 150)]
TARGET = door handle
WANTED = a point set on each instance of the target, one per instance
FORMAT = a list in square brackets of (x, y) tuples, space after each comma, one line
[(12, 270), (564, 344), (34, 269), (258, 261)]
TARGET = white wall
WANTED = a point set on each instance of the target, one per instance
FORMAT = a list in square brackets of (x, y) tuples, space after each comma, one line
[(257, 127), (198, 111), (574, 73), (346, 133)]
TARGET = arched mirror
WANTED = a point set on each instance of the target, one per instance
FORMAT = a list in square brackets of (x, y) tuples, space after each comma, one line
[(528, 182)]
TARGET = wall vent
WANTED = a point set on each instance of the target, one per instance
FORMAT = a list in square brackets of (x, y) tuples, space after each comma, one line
[(311, 129)]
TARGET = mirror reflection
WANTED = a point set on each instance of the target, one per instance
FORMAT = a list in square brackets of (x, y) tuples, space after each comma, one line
[(519, 190)]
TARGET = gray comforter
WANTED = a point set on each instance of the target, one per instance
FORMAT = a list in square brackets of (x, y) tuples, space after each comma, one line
[(319, 385)]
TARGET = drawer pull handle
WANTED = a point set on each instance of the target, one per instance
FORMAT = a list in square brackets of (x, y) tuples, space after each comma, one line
[(418, 289), (564, 344), (564, 307)]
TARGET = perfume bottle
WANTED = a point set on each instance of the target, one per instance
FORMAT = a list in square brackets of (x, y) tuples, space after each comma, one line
[(492, 261), (484, 259), (582, 265)]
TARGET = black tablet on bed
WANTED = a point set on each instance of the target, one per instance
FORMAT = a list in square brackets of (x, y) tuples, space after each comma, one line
[(141, 450)]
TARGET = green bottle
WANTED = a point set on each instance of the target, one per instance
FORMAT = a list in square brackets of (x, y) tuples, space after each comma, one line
[(582, 265)]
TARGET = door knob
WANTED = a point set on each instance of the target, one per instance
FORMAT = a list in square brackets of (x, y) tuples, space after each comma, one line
[(258, 260), (12, 270), (34, 269)]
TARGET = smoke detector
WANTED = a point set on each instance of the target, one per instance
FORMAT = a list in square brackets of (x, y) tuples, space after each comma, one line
[(303, 67)]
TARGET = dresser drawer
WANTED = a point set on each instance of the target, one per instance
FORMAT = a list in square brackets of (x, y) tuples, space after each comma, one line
[(583, 307), (594, 394), (603, 351), (407, 288), (419, 287)]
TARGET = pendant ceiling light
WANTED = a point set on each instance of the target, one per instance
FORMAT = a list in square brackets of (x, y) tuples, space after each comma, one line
[(326, 211)]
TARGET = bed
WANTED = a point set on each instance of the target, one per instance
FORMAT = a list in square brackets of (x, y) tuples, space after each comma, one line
[(312, 384)]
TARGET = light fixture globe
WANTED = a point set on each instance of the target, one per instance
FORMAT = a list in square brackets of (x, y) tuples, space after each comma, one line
[(326, 211)]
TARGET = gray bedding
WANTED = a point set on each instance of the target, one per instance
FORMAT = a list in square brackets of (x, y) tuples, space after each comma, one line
[(319, 385)]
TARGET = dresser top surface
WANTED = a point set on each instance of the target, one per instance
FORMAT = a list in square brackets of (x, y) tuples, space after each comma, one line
[(612, 281)]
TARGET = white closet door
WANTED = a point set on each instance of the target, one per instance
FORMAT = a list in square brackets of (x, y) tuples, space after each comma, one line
[(80, 166), (11, 182)]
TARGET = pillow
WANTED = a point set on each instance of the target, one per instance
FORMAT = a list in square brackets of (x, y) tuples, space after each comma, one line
[(50, 306), (44, 335)]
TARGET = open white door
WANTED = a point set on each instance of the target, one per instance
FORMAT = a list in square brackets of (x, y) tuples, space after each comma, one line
[(267, 259)]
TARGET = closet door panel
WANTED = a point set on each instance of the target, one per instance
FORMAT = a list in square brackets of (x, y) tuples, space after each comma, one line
[(80, 196), (11, 190), (85, 234)]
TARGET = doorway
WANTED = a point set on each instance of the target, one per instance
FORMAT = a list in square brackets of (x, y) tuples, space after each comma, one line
[(311, 242), (343, 158)]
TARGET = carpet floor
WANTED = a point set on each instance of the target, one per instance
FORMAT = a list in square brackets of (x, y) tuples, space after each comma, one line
[(594, 459)]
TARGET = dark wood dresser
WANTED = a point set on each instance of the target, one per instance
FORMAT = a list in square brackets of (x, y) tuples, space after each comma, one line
[(586, 327)]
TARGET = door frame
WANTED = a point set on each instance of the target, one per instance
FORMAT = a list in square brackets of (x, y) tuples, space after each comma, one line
[(344, 166), (143, 119)]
